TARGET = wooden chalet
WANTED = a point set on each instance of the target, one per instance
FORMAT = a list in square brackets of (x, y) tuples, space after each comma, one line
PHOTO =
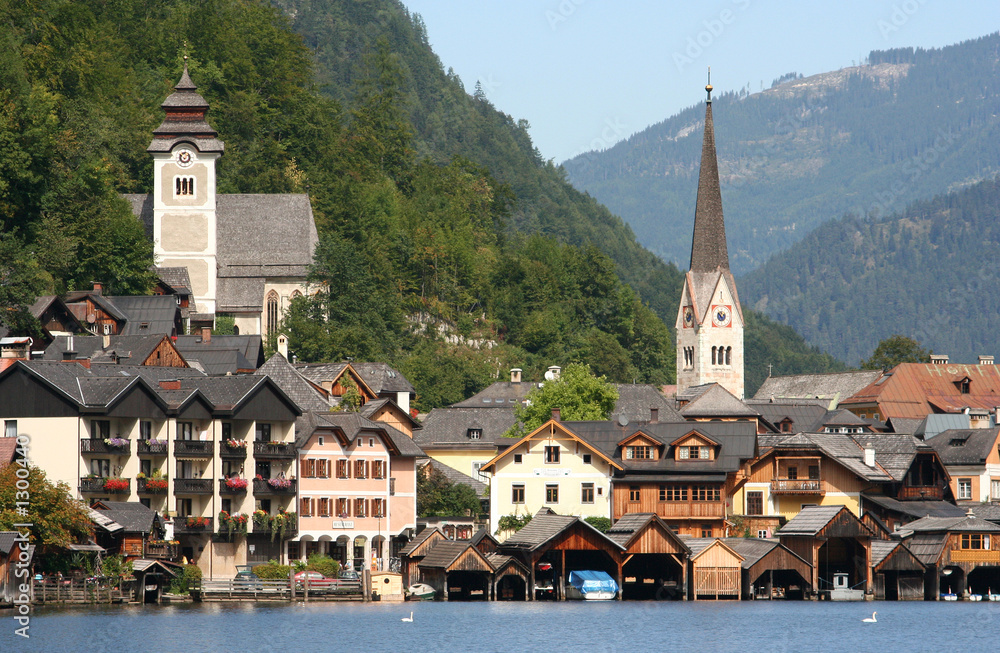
[(716, 570), (832, 540), (655, 558), (131, 529), (414, 552), (567, 544), (457, 570), (770, 570), (962, 554), (897, 574), (511, 578)]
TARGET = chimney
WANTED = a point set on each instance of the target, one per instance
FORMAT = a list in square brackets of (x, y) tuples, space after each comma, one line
[(654, 415), (98, 287), (170, 384), (553, 373), (985, 360), (206, 335), (939, 359), (556, 414), (105, 341), (283, 345), (515, 375), (869, 456), (69, 355)]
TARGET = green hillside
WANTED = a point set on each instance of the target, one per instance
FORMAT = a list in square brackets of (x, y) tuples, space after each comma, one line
[(907, 125), (448, 247), (921, 273)]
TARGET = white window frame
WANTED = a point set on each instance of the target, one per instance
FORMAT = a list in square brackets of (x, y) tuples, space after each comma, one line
[(964, 489)]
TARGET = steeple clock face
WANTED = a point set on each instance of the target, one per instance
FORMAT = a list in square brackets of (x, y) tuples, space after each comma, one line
[(185, 158), (722, 316), (688, 317)]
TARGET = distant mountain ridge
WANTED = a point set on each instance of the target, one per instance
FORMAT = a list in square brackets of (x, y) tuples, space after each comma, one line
[(926, 272), (907, 125)]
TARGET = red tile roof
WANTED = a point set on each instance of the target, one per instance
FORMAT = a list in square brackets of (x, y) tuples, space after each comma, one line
[(915, 390)]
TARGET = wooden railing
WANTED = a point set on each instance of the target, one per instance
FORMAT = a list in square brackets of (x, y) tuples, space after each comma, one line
[(975, 555), (51, 590), (162, 550), (194, 448), (931, 493), (797, 486), (667, 509)]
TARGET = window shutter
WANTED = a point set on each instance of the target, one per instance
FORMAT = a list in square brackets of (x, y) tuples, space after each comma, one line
[(304, 507)]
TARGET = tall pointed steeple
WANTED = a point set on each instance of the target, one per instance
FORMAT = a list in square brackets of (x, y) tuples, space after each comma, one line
[(708, 247)]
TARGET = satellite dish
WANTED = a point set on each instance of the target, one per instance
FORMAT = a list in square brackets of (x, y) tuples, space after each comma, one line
[(91, 317), (622, 420)]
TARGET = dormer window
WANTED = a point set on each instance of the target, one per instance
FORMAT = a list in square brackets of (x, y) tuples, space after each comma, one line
[(963, 385), (475, 434), (695, 452), (639, 452), (183, 186)]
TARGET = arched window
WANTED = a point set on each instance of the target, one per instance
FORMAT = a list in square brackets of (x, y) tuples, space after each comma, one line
[(729, 355), (272, 312), (713, 355), (183, 186)]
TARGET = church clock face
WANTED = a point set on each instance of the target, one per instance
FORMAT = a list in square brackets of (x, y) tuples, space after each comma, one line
[(688, 317), (722, 316), (185, 158)]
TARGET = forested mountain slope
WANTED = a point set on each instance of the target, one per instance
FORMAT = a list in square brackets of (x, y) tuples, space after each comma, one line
[(906, 125), (926, 272)]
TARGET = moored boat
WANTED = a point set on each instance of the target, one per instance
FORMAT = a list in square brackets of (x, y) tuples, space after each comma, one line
[(420, 592), (590, 585)]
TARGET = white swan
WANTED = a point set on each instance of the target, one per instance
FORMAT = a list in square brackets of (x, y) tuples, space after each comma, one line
[(870, 620), (409, 619)]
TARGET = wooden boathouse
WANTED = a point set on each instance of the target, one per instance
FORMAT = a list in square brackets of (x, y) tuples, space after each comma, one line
[(897, 574), (716, 570), (833, 541), (655, 558), (770, 570)]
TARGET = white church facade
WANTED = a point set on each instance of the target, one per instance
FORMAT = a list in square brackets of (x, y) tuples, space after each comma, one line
[(246, 255)]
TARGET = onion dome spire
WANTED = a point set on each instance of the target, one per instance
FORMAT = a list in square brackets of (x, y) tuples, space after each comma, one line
[(185, 120)]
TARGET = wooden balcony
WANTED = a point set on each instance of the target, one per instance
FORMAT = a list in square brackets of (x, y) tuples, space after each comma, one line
[(194, 448), (978, 556), (797, 486), (274, 450), (98, 445), (96, 486), (262, 486), (162, 551), (192, 525), (151, 447), (691, 509), (232, 453), (142, 486), (192, 486), (228, 490), (929, 493)]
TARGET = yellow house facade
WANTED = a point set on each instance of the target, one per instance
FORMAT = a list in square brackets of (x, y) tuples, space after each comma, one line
[(551, 467)]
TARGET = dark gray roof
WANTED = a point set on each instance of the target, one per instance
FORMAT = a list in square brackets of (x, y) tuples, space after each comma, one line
[(501, 394), (544, 526), (219, 361), (448, 428), (177, 278), (635, 400), (458, 477), (630, 523), (738, 442), (418, 539), (881, 549), (382, 378), (250, 347), (445, 552), (148, 314), (893, 451), (296, 386), (804, 414), (965, 446), (353, 425), (8, 539), (838, 446), (987, 511), (258, 237), (122, 350), (927, 547), (904, 424), (810, 520), (916, 509), (716, 401), (835, 385), (133, 516), (963, 524), (843, 417), (753, 549)]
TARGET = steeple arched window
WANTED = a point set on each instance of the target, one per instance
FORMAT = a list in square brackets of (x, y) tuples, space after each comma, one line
[(271, 314)]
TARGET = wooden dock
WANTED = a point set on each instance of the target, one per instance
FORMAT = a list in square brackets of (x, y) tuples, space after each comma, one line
[(50, 591), (275, 590)]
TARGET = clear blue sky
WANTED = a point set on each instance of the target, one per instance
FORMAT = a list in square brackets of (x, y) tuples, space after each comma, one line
[(586, 73)]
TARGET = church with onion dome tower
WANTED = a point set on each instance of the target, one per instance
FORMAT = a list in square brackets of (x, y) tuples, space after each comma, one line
[(710, 319)]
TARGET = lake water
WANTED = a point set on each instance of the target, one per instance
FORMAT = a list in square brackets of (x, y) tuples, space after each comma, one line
[(513, 627)]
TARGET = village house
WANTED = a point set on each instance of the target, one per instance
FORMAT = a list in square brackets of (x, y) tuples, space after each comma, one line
[(962, 554), (187, 446), (972, 457)]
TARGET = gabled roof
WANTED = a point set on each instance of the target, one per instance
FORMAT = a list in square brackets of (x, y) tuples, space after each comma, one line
[(458, 477), (716, 401), (884, 549), (965, 446), (699, 545), (122, 349), (916, 509), (964, 524), (753, 549), (446, 552), (353, 425), (550, 427), (636, 399), (332, 372), (382, 378), (933, 424), (372, 407), (302, 391), (447, 428), (501, 394), (834, 386), (419, 539), (132, 515), (918, 389), (804, 414), (8, 540), (811, 520), (626, 529), (251, 347), (546, 526), (176, 278), (840, 447), (927, 547), (148, 314)]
